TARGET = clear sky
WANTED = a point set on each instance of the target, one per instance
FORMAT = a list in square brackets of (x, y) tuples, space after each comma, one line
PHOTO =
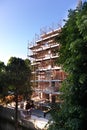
[(20, 20)]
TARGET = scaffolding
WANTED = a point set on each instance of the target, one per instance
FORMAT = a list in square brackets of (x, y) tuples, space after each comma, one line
[(46, 75)]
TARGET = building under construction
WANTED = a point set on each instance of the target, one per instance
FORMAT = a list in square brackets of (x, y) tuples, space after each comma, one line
[(47, 76)]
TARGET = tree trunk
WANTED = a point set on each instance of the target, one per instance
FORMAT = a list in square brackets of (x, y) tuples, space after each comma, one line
[(16, 110)]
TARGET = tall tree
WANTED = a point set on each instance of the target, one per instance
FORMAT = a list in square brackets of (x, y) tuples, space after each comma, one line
[(18, 74), (28, 90), (3, 80), (72, 114)]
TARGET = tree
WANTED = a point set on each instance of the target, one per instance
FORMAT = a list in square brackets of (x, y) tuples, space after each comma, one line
[(18, 71), (27, 92), (72, 114), (3, 80)]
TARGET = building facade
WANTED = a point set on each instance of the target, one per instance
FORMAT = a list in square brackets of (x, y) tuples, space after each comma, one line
[(47, 76)]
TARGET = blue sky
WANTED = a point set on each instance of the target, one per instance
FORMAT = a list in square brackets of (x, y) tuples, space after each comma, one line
[(20, 20)]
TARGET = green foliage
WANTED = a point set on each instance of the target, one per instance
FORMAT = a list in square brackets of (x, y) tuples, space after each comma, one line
[(3, 79), (73, 57), (16, 75), (19, 74)]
